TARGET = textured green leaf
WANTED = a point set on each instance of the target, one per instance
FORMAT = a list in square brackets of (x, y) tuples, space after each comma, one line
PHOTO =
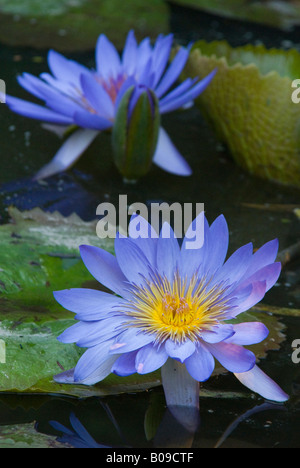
[(25, 436), (75, 25), (249, 104)]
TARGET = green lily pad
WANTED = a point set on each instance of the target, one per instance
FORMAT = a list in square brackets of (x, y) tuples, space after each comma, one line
[(281, 13), (25, 436), (39, 254), (74, 25), (249, 104)]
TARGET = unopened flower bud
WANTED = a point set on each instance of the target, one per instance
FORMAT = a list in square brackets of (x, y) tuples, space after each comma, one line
[(135, 132)]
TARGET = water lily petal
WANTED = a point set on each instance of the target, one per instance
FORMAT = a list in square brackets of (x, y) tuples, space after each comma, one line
[(107, 58), (88, 304), (130, 340), (188, 96), (216, 246), (168, 252), (180, 351), (104, 267), (218, 333), (86, 119), (173, 71), (200, 364), (233, 357), (264, 256), (125, 364), (94, 365), (248, 333), (131, 260), (167, 157), (65, 69), (129, 55), (68, 153), (259, 382), (35, 111), (97, 96), (150, 358), (145, 237)]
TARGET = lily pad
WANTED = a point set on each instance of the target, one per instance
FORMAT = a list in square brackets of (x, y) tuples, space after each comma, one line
[(249, 104), (74, 25), (25, 436), (283, 14)]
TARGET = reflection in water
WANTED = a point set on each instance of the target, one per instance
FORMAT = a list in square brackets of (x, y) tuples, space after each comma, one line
[(78, 436), (176, 429)]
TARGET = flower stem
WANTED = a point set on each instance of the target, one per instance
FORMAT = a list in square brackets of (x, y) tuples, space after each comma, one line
[(179, 387)]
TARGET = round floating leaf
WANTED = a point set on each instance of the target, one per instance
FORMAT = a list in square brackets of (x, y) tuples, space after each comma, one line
[(249, 103), (26, 436)]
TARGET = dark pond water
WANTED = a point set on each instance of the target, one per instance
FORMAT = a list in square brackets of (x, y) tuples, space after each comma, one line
[(223, 188)]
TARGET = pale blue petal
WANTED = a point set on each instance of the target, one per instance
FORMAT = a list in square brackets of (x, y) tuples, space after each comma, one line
[(218, 333), (94, 365), (86, 119), (88, 304), (131, 260), (125, 364), (200, 364), (161, 54), (150, 358), (107, 58), (167, 156), (180, 351), (269, 274), (234, 268), (168, 252), (53, 98), (257, 381), (145, 237), (172, 72), (68, 153), (233, 357), (64, 69), (188, 96), (35, 111), (104, 267), (97, 96), (248, 333), (264, 256), (257, 293), (130, 340), (216, 246), (129, 56)]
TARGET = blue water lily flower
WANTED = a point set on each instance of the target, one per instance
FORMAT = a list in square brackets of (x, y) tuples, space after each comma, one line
[(171, 304), (88, 99)]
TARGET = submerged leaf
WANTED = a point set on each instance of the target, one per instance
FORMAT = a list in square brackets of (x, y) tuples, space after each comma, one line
[(249, 104)]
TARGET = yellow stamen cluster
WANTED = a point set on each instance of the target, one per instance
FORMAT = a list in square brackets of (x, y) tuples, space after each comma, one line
[(177, 309)]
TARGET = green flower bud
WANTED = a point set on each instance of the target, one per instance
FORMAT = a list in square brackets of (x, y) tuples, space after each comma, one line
[(135, 132)]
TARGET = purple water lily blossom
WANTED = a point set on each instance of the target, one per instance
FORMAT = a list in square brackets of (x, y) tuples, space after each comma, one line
[(88, 99), (171, 303)]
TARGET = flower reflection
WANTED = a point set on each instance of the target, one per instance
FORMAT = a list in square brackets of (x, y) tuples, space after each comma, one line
[(177, 429)]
